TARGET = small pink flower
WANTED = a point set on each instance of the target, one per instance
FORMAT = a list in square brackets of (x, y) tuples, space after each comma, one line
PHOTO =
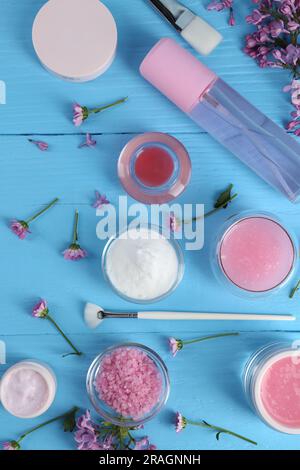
[(100, 201), (19, 228), (74, 253), (40, 310), (180, 422), (175, 345), (89, 142), (40, 144), (10, 445), (79, 114), (173, 223)]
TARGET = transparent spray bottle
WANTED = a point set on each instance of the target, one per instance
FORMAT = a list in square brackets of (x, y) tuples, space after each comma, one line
[(225, 114)]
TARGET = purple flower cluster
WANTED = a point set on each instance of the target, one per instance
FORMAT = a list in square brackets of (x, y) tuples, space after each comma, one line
[(105, 436), (275, 44)]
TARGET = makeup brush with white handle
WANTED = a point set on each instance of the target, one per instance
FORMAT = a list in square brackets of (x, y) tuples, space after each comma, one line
[(94, 315)]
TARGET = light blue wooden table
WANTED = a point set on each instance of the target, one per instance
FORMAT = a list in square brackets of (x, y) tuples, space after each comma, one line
[(205, 379)]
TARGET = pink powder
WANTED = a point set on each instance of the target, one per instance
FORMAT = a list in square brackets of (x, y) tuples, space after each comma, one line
[(257, 254), (280, 391), (129, 382), (25, 392)]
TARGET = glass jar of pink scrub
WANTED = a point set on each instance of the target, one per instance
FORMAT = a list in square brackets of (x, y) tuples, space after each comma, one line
[(254, 254), (272, 385), (128, 384)]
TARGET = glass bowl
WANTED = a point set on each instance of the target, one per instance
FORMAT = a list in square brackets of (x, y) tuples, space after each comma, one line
[(217, 265), (108, 413), (178, 252)]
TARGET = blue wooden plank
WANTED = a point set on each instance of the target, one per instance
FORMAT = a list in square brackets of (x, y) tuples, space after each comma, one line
[(205, 384), (38, 102), (31, 178)]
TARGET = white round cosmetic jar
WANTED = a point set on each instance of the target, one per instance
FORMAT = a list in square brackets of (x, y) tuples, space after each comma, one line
[(28, 389), (76, 40)]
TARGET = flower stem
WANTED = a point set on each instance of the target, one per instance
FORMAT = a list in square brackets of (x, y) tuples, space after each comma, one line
[(204, 338), (39, 426), (294, 290), (103, 108), (213, 211), (42, 211), (75, 230), (219, 430), (78, 353)]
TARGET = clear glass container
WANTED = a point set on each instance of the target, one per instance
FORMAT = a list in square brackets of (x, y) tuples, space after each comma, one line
[(154, 168), (180, 264), (254, 254), (108, 413), (271, 382)]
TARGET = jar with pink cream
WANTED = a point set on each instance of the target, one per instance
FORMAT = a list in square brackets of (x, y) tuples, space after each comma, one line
[(272, 385), (28, 389)]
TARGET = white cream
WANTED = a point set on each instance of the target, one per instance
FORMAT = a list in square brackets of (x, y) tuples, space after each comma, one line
[(27, 389), (142, 264)]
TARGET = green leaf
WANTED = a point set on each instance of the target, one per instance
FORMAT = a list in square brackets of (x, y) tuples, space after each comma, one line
[(70, 420), (224, 198)]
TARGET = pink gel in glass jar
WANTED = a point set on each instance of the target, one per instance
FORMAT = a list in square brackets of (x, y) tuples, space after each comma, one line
[(255, 254), (154, 168), (272, 384)]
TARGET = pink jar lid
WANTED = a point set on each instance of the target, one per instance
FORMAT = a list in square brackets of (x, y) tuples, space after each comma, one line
[(177, 74), (75, 39)]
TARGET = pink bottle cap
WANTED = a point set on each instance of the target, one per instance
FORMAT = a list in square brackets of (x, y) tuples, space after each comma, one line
[(177, 73), (75, 39)]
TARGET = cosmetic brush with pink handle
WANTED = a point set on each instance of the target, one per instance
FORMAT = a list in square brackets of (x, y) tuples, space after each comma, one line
[(94, 315)]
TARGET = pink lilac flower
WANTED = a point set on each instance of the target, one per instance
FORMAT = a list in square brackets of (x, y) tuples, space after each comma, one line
[(175, 345), (89, 142), (180, 422), (40, 144), (10, 445), (40, 310), (129, 382), (81, 113), (292, 54), (19, 228), (144, 444), (223, 5), (87, 434), (256, 17), (276, 27), (100, 200), (74, 252)]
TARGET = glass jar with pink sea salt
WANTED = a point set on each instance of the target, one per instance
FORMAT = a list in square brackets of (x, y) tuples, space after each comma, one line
[(128, 384), (272, 385)]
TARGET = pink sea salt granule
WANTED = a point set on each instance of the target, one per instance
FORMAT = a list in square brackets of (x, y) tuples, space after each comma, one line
[(129, 382)]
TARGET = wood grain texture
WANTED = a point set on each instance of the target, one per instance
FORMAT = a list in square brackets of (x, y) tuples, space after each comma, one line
[(206, 379)]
